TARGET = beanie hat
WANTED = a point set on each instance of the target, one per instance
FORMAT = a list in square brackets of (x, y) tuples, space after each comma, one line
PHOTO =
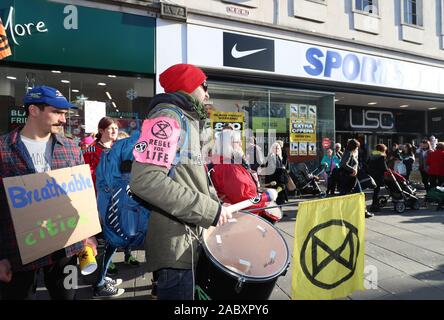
[(87, 140), (182, 76)]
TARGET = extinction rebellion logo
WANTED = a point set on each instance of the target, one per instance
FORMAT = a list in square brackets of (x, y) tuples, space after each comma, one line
[(319, 255), (162, 130)]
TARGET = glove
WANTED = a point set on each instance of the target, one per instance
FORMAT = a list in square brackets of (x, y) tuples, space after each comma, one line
[(271, 194)]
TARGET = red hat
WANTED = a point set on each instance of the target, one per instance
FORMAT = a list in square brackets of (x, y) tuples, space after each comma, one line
[(182, 76)]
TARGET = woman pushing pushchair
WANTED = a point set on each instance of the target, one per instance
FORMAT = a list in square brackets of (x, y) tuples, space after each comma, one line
[(348, 172)]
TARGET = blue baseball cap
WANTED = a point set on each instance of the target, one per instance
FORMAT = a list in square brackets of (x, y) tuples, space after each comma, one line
[(49, 96)]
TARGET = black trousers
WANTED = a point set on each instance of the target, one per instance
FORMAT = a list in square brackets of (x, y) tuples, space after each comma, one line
[(375, 196), (425, 180), (22, 285)]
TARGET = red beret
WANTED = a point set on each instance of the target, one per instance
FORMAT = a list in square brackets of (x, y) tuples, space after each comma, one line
[(181, 76)]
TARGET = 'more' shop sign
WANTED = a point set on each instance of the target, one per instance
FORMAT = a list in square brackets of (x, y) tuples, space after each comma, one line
[(52, 210)]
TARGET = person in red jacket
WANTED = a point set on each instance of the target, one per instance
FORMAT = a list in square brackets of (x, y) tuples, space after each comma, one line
[(107, 134), (435, 160), (232, 177)]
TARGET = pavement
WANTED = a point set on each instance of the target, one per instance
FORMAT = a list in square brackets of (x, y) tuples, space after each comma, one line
[(404, 251)]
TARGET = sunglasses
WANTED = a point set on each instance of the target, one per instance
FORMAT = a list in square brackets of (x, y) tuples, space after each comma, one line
[(205, 86)]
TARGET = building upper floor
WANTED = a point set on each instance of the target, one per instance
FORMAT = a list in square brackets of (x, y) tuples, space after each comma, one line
[(408, 26)]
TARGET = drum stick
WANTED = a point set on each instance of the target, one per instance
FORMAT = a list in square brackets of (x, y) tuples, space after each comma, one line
[(240, 205), (271, 207)]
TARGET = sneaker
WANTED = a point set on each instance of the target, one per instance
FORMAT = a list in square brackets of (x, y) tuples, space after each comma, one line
[(368, 214), (132, 261), (153, 290), (112, 270), (113, 282), (107, 292)]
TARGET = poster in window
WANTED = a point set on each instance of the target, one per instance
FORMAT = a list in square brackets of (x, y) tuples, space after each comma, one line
[(294, 148), (312, 148), (302, 148), (302, 111), (294, 110), (312, 112)]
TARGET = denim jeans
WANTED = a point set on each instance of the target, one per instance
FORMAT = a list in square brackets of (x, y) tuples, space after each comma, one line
[(103, 266), (174, 284)]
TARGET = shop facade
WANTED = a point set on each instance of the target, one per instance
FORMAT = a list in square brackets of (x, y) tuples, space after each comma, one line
[(101, 57), (274, 81)]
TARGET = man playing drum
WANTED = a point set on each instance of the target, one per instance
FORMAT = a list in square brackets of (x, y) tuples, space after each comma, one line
[(176, 186)]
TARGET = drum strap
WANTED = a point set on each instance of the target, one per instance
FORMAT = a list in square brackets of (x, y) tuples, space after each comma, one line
[(191, 234)]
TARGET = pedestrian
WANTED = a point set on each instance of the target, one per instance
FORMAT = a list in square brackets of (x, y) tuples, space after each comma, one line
[(254, 154), (86, 142), (376, 166), (37, 147), (423, 153), (349, 166), (408, 158), (177, 191), (330, 162), (393, 156), (276, 172), (108, 130), (435, 161), (338, 150)]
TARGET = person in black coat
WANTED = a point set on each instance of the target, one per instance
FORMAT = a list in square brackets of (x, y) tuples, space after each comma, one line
[(349, 166), (376, 166)]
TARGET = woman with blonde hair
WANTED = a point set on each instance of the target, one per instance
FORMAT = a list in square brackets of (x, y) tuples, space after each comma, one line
[(276, 172)]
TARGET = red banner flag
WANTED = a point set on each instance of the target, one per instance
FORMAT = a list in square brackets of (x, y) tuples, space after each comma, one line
[(5, 50)]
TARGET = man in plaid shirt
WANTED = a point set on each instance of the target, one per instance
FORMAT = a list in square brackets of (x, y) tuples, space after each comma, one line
[(36, 148)]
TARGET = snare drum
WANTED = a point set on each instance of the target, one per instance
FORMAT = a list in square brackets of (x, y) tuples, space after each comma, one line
[(241, 259)]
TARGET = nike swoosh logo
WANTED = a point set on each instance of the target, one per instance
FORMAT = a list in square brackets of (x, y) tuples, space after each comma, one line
[(240, 54)]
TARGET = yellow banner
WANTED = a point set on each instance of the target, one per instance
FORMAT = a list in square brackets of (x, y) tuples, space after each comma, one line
[(328, 256)]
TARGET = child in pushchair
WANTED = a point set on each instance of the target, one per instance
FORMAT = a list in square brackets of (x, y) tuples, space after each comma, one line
[(307, 183), (403, 194)]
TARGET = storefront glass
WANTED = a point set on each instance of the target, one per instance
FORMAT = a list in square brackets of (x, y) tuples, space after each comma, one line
[(122, 97), (269, 112)]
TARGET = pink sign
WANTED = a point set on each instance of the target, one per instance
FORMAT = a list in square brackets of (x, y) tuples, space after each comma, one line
[(157, 143)]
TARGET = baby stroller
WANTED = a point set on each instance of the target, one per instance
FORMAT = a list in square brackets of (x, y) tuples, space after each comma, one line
[(307, 183), (403, 194), (435, 196)]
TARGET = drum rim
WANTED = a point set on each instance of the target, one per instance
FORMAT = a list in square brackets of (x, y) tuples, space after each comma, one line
[(246, 277)]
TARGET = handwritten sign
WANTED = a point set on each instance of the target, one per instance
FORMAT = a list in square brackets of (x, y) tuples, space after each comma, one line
[(52, 210)]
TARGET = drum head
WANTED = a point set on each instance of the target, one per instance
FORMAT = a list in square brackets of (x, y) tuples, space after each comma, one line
[(248, 246)]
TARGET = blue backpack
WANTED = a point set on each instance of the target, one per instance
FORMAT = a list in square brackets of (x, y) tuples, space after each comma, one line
[(123, 215)]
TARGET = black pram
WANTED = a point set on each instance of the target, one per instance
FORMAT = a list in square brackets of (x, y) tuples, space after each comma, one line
[(307, 182), (400, 190)]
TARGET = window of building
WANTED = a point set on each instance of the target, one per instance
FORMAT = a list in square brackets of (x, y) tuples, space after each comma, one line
[(272, 114), (413, 12), (369, 6), (125, 97)]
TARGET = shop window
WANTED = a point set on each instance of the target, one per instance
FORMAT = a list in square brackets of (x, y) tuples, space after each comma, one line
[(368, 6), (413, 12), (301, 119), (122, 97)]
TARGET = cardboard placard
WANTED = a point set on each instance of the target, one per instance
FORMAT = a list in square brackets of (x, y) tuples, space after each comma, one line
[(52, 210)]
